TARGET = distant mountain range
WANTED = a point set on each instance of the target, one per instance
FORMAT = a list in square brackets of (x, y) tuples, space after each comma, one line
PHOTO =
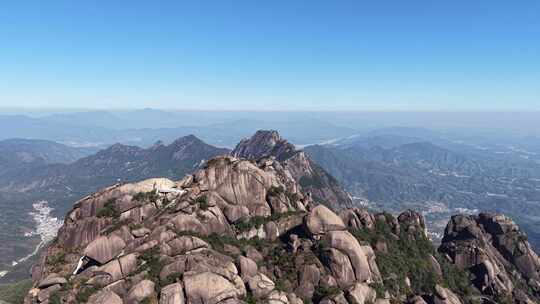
[(144, 127), (395, 173), (118, 163), (25, 152)]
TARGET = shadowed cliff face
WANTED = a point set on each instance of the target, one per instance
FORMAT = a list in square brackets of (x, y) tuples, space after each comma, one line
[(313, 179), (496, 252)]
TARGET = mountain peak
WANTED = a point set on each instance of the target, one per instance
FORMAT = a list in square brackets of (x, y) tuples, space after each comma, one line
[(188, 139), (264, 143), (314, 180)]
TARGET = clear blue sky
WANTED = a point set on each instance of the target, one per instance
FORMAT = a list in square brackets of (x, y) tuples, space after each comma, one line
[(267, 55)]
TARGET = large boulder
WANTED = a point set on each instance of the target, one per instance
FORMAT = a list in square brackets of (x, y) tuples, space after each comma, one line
[(491, 247), (360, 257), (361, 293), (321, 220), (105, 297), (209, 288), (248, 267), (355, 218), (172, 294), (52, 279), (140, 291), (105, 248), (260, 285), (445, 296)]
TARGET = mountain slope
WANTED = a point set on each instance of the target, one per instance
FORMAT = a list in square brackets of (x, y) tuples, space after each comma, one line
[(16, 153), (241, 231), (313, 179), (436, 180), (116, 163)]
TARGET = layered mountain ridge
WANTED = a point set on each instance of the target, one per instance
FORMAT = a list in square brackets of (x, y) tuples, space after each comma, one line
[(245, 229)]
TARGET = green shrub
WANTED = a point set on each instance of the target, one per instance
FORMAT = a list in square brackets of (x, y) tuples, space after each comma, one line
[(322, 292), (57, 260), (456, 279), (250, 299), (379, 289), (85, 293), (247, 224), (310, 181), (55, 298), (203, 202), (150, 196), (146, 301), (407, 257), (275, 191), (109, 209), (150, 261), (15, 293)]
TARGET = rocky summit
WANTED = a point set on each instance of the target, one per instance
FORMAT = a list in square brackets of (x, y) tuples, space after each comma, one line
[(322, 186), (245, 229)]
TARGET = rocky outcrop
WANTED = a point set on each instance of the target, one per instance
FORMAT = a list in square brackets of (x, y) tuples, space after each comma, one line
[(321, 220), (104, 248), (247, 231), (496, 253), (313, 179)]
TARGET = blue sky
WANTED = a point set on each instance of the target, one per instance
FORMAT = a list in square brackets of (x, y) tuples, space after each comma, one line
[(271, 55)]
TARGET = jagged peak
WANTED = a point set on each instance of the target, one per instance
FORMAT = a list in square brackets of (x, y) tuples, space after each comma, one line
[(264, 143)]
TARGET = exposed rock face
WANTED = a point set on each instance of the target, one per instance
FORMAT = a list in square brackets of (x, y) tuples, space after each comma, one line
[(313, 179), (104, 248), (172, 294), (105, 297), (245, 231), (496, 252), (321, 220)]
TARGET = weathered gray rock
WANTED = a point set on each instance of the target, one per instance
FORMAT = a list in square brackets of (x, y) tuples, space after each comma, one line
[(248, 267), (172, 294), (260, 285), (105, 248), (355, 218), (310, 276), (335, 299), (188, 223), (105, 297), (52, 279), (360, 257), (321, 220), (182, 245), (361, 293), (140, 232), (209, 288), (44, 294), (277, 297), (488, 246), (142, 290), (341, 267)]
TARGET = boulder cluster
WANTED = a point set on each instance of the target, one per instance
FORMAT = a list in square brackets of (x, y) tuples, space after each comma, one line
[(496, 253), (236, 231), (247, 231)]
